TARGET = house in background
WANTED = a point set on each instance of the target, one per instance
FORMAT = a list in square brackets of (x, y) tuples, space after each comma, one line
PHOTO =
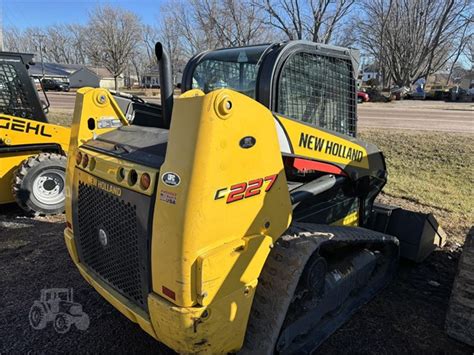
[(440, 78), (151, 78), (49, 70), (77, 75), (369, 72), (83, 77), (106, 79)]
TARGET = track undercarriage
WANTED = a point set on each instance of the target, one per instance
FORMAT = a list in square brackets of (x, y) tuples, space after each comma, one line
[(343, 268)]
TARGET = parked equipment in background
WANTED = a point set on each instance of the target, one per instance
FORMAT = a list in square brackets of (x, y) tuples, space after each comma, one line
[(378, 96), (237, 216), (362, 97), (54, 85), (438, 92), (32, 150)]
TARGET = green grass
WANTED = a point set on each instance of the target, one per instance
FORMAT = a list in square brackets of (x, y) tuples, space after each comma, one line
[(60, 117), (433, 169)]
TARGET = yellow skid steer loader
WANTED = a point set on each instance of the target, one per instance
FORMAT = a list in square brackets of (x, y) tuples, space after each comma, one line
[(239, 216), (32, 150)]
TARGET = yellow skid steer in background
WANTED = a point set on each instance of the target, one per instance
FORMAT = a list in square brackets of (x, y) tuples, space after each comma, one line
[(32, 150)]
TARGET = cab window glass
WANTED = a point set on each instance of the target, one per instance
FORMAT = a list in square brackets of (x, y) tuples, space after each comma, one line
[(319, 90), (234, 68)]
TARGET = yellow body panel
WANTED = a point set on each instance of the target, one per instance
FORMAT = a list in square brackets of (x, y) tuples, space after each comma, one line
[(311, 142), (92, 105), (107, 168), (216, 329), (229, 265), (16, 131), (204, 151)]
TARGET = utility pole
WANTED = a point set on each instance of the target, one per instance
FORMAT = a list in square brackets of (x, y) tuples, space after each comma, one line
[(40, 41)]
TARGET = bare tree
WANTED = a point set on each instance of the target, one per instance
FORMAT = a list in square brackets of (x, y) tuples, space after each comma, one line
[(113, 35), (233, 22), (150, 35), (315, 20), (206, 24), (413, 38), (59, 44), (466, 38), (169, 35), (192, 33), (78, 35), (16, 40), (12, 38), (62, 43)]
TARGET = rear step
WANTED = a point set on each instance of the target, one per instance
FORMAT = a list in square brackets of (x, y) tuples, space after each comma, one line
[(293, 310)]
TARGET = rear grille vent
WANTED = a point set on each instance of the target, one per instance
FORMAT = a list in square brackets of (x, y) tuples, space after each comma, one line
[(109, 244)]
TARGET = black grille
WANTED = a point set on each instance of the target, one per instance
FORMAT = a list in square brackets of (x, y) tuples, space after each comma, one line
[(117, 261)]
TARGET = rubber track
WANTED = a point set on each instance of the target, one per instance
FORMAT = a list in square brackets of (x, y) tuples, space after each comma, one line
[(281, 274), (23, 170), (460, 319)]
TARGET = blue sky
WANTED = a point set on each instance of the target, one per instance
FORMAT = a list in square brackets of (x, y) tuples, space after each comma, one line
[(27, 13)]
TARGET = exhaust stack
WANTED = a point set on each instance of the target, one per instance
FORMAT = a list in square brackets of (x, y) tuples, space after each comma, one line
[(166, 85)]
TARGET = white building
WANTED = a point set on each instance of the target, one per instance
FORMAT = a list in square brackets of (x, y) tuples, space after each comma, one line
[(77, 75), (369, 72), (106, 79), (83, 77)]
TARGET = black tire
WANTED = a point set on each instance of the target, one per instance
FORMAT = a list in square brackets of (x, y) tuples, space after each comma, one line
[(39, 184), (359, 100), (62, 323), (37, 317)]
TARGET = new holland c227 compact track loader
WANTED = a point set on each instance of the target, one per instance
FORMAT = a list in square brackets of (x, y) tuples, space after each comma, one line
[(238, 216)]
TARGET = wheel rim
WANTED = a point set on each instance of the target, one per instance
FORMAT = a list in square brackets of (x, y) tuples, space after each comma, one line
[(48, 187)]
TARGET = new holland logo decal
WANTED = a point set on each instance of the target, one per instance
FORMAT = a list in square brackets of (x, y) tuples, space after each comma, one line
[(171, 179)]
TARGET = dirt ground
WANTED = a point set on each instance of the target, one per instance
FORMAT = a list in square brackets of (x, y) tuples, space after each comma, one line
[(407, 317)]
